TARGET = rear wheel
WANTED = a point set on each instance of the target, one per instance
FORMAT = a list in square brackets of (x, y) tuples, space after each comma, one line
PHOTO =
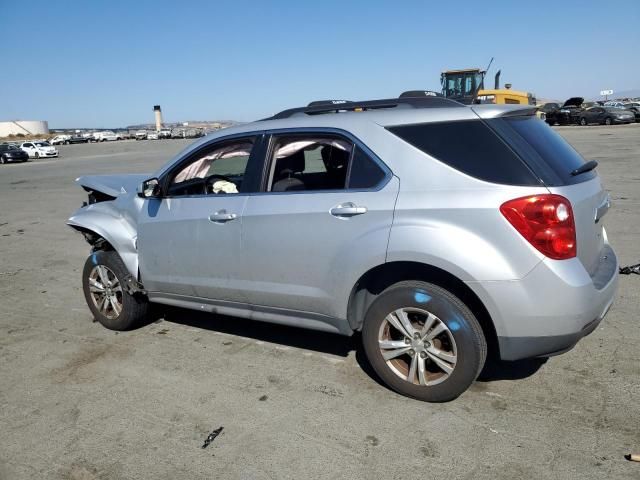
[(607, 121), (3, 160), (423, 341), (37, 155), (103, 283), (583, 121)]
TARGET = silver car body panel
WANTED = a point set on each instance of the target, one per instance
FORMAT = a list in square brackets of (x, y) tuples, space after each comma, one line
[(114, 225), (286, 259), (113, 185)]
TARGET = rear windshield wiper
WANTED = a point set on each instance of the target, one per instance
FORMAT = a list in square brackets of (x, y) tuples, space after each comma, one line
[(587, 167)]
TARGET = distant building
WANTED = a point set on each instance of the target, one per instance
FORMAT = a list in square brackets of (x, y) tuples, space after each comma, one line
[(24, 127)]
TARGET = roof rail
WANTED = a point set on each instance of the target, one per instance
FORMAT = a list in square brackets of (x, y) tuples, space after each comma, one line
[(405, 102), (316, 103), (420, 94)]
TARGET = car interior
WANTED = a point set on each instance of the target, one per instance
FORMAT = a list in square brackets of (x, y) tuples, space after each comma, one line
[(310, 164), (218, 171)]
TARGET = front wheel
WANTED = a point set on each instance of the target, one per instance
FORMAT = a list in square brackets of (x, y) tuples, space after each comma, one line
[(583, 121), (37, 155), (103, 283), (423, 341), (607, 121), (3, 160)]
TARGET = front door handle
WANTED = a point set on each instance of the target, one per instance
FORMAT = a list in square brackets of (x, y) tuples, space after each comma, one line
[(221, 216), (348, 209)]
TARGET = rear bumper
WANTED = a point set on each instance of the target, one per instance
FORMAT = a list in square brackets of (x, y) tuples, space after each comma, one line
[(552, 308)]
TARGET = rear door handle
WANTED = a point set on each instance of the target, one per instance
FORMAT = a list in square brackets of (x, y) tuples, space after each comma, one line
[(221, 216), (348, 209)]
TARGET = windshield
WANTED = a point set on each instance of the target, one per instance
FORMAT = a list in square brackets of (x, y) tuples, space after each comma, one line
[(42, 144)]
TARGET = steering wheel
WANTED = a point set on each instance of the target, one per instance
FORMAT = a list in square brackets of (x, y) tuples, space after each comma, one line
[(208, 183)]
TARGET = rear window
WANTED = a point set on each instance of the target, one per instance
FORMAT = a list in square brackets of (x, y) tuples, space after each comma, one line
[(469, 146), (544, 150)]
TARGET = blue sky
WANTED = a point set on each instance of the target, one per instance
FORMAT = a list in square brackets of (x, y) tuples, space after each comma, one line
[(105, 64)]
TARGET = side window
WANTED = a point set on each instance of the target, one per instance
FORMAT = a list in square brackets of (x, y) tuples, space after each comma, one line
[(216, 169), (365, 172), (309, 162), (469, 146)]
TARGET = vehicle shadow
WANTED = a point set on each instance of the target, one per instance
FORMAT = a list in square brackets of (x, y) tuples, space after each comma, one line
[(322, 342), (496, 369)]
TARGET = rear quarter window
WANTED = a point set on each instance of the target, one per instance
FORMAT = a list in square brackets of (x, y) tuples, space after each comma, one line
[(549, 155), (471, 147)]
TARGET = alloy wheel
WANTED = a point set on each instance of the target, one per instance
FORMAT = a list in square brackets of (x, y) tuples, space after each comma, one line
[(106, 291), (417, 346)]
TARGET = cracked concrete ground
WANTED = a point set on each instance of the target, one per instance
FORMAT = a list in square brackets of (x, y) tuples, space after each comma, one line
[(80, 402)]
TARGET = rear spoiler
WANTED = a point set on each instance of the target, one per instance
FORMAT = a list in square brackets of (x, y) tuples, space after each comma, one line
[(495, 111)]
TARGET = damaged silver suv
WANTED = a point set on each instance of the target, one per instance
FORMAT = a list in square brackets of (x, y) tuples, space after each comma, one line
[(439, 231)]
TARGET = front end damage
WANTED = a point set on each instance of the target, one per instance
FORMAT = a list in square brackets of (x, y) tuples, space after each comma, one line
[(108, 219)]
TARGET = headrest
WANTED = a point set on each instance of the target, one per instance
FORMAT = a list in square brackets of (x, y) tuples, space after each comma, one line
[(294, 163)]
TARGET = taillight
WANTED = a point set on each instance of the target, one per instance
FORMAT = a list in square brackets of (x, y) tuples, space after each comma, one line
[(546, 221)]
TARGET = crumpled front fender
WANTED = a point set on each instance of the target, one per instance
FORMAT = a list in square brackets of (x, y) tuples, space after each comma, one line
[(105, 221)]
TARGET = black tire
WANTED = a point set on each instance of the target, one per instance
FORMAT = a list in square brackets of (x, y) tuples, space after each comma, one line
[(583, 121), (2, 160), (133, 307), (470, 345), (37, 155), (66, 142), (607, 121)]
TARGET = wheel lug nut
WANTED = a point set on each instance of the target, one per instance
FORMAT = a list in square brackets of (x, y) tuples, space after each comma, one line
[(411, 353), (423, 355), (407, 341)]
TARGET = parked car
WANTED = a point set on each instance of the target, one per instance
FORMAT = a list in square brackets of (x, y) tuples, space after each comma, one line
[(566, 114), (165, 133), (106, 136), (153, 136), (37, 149), (550, 110), (59, 139), (605, 116), (438, 233), (141, 135), (11, 153), (570, 110), (77, 139), (613, 103), (635, 108)]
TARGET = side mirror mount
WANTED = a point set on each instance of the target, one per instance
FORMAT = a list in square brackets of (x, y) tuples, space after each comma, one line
[(149, 188)]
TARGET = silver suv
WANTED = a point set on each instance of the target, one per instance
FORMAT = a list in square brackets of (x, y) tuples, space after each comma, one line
[(439, 231)]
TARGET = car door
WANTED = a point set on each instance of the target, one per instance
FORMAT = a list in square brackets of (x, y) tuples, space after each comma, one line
[(189, 239), (597, 115), (323, 220), (29, 148)]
